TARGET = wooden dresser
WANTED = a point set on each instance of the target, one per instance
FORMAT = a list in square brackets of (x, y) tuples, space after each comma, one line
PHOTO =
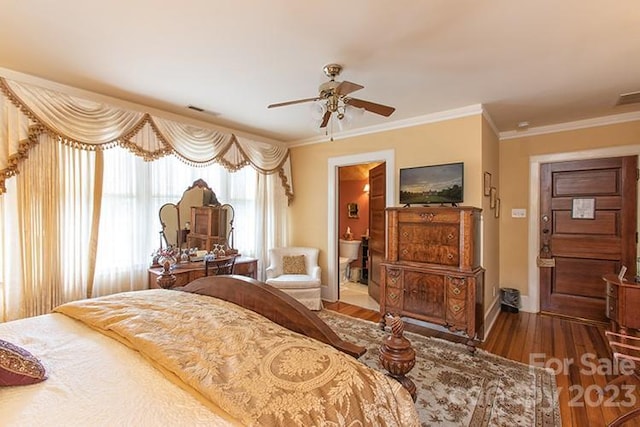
[(244, 266), (432, 270)]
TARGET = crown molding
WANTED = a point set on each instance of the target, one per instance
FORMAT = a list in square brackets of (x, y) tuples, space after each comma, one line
[(489, 120), (440, 116), (568, 126), (117, 102)]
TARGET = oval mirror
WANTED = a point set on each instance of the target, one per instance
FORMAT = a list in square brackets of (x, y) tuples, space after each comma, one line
[(169, 221)]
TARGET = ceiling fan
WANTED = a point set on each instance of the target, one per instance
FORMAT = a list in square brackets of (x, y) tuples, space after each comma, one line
[(335, 94)]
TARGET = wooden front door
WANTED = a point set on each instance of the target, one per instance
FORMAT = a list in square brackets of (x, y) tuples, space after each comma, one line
[(587, 229), (377, 226)]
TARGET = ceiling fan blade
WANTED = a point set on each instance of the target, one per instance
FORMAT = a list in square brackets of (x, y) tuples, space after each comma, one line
[(297, 101), (325, 118), (346, 88), (383, 110)]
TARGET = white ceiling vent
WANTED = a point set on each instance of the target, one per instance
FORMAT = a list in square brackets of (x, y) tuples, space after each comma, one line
[(629, 98)]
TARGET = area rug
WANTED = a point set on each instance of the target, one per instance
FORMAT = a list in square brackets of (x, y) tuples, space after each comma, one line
[(456, 388)]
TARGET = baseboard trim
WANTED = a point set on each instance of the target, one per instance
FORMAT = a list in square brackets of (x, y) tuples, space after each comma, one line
[(490, 317)]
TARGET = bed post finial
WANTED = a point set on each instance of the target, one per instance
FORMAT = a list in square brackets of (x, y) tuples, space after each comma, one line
[(167, 279), (396, 354)]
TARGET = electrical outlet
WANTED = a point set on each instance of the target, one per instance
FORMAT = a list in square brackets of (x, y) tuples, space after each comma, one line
[(518, 213)]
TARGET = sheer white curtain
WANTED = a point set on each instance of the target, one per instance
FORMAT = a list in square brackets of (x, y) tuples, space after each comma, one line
[(270, 214), (77, 221), (134, 191)]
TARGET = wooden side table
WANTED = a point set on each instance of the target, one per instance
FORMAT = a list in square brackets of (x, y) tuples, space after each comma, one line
[(623, 300)]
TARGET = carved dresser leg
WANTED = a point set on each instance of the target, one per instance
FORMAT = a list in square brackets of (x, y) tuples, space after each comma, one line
[(396, 354)]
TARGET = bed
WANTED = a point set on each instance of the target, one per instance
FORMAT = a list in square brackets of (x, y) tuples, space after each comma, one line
[(198, 355)]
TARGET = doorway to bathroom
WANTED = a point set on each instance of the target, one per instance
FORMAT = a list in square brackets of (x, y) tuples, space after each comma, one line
[(387, 159), (354, 223)]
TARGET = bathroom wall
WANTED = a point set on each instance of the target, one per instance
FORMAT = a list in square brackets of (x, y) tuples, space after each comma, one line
[(352, 192)]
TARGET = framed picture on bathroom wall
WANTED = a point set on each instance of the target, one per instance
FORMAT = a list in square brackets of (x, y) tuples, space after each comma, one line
[(352, 210)]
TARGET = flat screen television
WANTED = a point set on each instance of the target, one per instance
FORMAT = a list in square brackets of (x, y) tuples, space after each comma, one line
[(434, 184)]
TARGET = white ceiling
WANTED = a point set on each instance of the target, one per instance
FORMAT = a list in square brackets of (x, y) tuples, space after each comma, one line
[(544, 61)]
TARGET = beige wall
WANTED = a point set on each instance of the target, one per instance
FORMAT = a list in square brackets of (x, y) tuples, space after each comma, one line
[(433, 143), (471, 140), (491, 228), (514, 186)]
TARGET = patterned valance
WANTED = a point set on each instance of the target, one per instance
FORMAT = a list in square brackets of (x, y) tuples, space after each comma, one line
[(27, 111)]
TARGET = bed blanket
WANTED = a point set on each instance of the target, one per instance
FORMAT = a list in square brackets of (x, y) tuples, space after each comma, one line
[(256, 370)]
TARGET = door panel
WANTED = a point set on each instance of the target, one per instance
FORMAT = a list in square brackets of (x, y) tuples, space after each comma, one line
[(585, 247), (572, 278), (605, 223), (377, 226)]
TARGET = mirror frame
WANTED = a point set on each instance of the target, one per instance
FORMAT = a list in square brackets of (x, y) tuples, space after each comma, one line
[(184, 215)]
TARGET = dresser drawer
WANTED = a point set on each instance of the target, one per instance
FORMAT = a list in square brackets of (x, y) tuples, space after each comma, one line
[(196, 274), (181, 279), (434, 254), (448, 235), (612, 309), (393, 277), (439, 216), (393, 290), (612, 290), (456, 312), (456, 287)]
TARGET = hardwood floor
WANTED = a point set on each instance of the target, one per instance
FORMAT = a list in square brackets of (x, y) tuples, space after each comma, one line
[(577, 352)]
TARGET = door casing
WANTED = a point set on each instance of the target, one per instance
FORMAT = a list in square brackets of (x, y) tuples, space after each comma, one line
[(330, 292)]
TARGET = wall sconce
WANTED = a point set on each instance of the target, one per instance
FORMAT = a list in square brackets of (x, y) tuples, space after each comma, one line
[(366, 188)]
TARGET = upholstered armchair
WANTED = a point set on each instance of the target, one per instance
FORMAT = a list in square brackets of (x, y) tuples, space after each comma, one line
[(295, 271)]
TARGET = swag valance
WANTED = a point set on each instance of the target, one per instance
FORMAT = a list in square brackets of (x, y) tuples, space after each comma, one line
[(27, 111)]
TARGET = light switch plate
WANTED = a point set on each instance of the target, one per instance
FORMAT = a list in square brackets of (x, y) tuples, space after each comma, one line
[(518, 213)]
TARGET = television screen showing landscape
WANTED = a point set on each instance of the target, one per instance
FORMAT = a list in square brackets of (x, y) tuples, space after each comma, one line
[(432, 184)]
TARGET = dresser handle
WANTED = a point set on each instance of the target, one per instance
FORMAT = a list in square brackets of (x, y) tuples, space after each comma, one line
[(405, 251), (450, 236), (450, 256), (405, 234), (456, 308), (456, 291)]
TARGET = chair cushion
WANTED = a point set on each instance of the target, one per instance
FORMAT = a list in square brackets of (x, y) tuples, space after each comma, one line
[(293, 264), (293, 281), (18, 366)]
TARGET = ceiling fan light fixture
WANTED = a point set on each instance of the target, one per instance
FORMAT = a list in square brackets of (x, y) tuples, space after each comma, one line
[(333, 98), (317, 110)]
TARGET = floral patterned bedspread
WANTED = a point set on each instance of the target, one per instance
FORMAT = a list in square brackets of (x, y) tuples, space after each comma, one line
[(254, 369)]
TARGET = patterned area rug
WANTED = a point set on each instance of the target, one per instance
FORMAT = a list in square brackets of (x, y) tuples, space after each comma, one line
[(456, 388)]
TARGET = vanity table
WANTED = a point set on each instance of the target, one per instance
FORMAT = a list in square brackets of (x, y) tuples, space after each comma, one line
[(188, 272), (199, 220)]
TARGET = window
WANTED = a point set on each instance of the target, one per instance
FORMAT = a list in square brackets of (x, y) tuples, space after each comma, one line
[(134, 191)]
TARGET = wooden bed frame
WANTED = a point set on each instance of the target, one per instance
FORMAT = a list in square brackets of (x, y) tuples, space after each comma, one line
[(396, 354), (273, 304)]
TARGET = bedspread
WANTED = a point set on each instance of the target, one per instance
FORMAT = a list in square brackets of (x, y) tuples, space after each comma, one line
[(256, 370)]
